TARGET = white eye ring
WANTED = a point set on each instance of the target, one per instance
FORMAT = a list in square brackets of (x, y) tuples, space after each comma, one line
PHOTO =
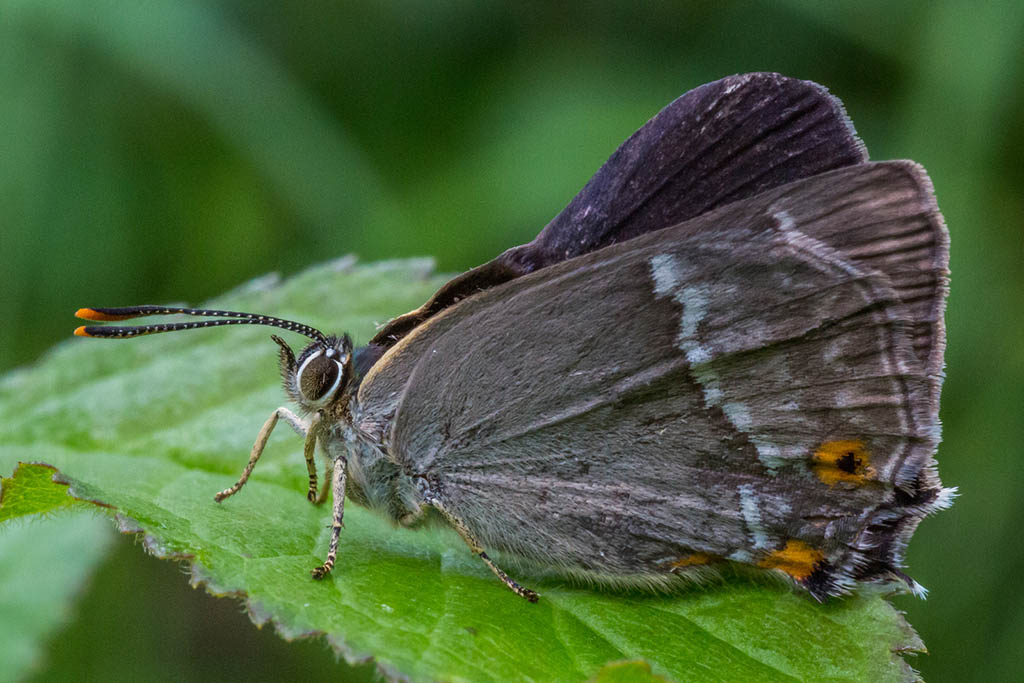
[(323, 400)]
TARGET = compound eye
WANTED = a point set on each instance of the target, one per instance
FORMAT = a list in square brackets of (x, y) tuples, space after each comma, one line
[(319, 377)]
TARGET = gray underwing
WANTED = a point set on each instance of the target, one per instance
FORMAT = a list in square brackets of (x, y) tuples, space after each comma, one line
[(727, 348)]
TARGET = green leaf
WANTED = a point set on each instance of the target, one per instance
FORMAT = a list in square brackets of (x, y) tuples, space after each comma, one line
[(156, 426), (43, 565), (32, 490), (636, 671), (45, 557)]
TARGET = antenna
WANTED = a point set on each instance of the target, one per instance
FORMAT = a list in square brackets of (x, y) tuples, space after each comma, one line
[(226, 318)]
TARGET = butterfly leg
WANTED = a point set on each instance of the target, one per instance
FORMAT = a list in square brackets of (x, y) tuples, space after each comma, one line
[(338, 487), (322, 496), (302, 427), (478, 549), (309, 450)]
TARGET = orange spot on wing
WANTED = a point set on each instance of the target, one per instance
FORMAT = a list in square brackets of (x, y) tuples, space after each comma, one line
[(797, 559), (843, 461), (693, 560)]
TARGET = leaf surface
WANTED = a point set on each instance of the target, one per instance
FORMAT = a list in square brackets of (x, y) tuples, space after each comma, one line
[(32, 490)]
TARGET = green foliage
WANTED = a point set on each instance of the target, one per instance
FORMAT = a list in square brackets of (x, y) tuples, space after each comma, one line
[(635, 671), (45, 557), (32, 490), (43, 566), (155, 427)]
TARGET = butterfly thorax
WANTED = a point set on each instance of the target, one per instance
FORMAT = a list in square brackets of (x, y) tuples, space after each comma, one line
[(373, 481)]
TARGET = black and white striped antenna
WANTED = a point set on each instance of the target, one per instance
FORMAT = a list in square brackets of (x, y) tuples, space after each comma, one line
[(223, 318)]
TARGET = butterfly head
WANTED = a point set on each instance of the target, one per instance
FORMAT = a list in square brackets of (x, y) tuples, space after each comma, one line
[(320, 374)]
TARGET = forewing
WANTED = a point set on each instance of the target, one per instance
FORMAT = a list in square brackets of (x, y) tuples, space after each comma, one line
[(716, 144), (727, 387)]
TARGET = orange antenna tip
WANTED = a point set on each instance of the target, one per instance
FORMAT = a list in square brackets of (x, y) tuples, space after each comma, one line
[(81, 331), (98, 315)]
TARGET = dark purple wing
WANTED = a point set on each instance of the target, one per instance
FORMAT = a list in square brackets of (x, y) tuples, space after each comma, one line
[(715, 145)]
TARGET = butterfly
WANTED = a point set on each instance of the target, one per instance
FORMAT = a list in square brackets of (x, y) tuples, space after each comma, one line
[(727, 348)]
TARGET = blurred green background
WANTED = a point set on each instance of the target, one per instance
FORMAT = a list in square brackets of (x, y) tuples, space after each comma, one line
[(158, 151)]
